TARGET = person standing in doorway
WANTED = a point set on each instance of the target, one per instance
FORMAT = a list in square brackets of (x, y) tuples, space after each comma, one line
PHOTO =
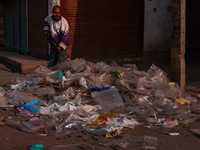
[(57, 31)]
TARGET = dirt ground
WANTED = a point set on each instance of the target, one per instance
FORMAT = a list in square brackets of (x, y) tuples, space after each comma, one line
[(12, 138)]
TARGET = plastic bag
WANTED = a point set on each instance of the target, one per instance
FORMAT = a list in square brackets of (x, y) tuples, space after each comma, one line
[(72, 147), (17, 125), (95, 130), (20, 97), (2, 91), (130, 141), (110, 100), (68, 128), (157, 75), (3, 102), (31, 106), (67, 94), (42, 70), (45, 91), (34, 124)]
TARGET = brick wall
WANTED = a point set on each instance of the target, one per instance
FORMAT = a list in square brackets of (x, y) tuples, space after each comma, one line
[(1, 23)]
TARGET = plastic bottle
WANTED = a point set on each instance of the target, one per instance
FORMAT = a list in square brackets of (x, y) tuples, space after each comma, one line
[(31, 106)]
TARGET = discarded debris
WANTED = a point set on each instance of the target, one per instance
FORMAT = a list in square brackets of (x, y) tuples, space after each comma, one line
[(195, 131), (99, 98)]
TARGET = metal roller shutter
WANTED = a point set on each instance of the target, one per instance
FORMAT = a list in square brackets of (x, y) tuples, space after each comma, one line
[(105, 28), (37, 42), (192, 26)]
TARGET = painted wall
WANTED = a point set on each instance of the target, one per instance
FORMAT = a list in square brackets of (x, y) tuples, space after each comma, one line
[(2, 40), (157, 26)]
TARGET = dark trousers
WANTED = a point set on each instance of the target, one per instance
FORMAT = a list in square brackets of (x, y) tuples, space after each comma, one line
[(55, 56)]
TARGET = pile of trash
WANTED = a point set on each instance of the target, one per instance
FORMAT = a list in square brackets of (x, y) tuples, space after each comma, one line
[(98, 98)]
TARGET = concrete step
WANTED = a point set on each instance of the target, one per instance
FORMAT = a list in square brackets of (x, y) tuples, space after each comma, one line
[(21, 63)]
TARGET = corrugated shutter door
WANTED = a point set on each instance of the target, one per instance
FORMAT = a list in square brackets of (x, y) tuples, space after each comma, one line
[(192, 26), (105, 28), (37, 42), (9, 25)]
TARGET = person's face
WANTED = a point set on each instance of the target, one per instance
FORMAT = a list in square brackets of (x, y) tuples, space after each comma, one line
[(56, 13)]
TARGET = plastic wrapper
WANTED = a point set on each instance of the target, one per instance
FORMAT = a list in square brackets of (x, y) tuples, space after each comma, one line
[(37, 80), (103, 67), (175, 91), (68, 128), (20, 97), (110, 100), (78, 65), (86, 110), (52, 77), (72, 147), (37, 147), (89, 119), (95, 130), (45, 91), (170, 123), (17, 125), (86, 83), (55, 108), (155, 74), (30, 89), (103, 80), (25, 112), (70, 81), (42, 70), (52, 109), (144, 84), (144, 101), (19, 85), (2, 91), (3, 102), (60, 75), (113, 132), (130, 141), (66, 95), (150, 142), (155, 121), (34, 124), (63, 65), (127, 83)]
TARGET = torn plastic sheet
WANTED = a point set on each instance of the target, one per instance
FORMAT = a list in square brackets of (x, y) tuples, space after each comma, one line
[(130, 141), (55, 108), (68, 128), (72, 147), (110, 100), (66, 94), (45, 91), (2, 91)]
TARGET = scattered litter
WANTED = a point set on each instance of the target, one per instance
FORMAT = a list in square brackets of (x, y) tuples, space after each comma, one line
[(174, 134), (133, 142), (100, 99), (36, 147), (195, 131)]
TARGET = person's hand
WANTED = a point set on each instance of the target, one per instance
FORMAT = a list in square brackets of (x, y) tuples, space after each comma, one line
[(59, 48), (46, 33)]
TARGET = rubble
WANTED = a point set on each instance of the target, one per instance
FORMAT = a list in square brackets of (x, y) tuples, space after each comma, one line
[(98, 98)]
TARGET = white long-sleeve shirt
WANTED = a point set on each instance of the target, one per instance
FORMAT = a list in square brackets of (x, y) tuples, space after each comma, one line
[(59, 30)]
